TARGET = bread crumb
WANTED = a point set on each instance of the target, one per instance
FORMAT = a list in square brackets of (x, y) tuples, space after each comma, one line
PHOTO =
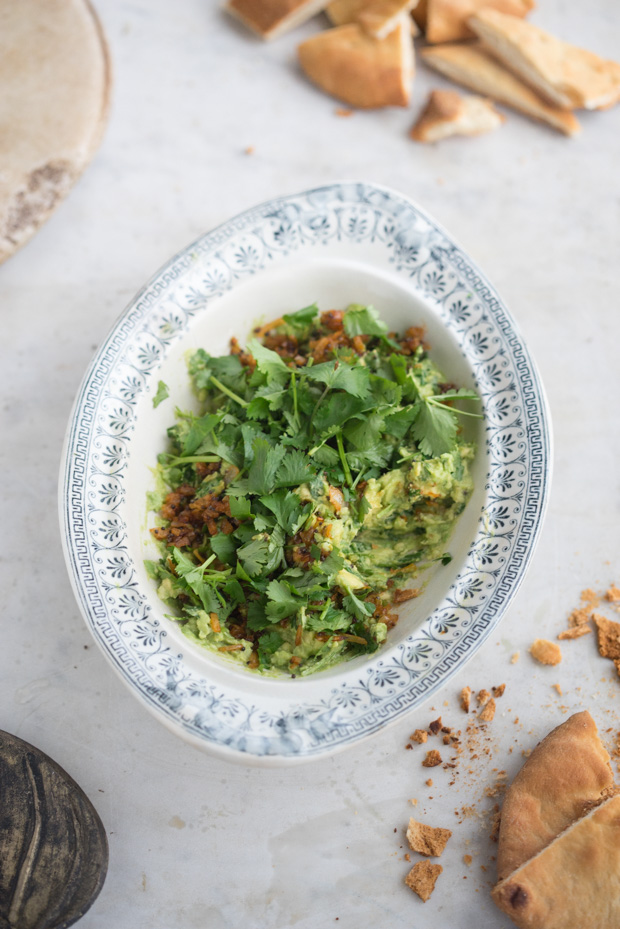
[(429, 782), (433, 758), (343, 111), (427, 840), (422, 878), (435, 726), (419, 736), (590, 598), (546, 652), (467, 859), (413, 801), (407, 856), (579, 617), (608, 633), (515, 658), (575, 632), (483, 697), (613, 594), (499, 691), (558, 688), (249, 150), (487, 712), (466, 699)]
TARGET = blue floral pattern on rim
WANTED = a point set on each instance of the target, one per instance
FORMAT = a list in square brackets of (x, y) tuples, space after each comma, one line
[(93, 485)]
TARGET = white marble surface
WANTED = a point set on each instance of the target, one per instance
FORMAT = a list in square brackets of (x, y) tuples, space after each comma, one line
[(195, 842)]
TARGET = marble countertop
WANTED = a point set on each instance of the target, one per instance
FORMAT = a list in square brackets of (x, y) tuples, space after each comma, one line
[(195, 842)]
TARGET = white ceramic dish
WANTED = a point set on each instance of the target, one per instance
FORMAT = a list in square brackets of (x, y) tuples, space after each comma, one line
[(339, 244)]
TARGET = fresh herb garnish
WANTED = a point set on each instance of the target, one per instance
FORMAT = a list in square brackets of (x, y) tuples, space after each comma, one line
[(325, 464)]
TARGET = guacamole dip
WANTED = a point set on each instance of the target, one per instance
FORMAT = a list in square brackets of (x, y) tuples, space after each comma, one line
[(322, 473)]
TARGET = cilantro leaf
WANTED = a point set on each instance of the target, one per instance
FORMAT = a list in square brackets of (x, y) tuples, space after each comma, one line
[(363, 320), (269, 363), (359, 608), (302, 319), (338, 376), (434, 429), (287, 509), (161, 394), (281, 602), (268, 644), (224, 547), (329, 620), (294, 470), (199, 430), (263, 470)]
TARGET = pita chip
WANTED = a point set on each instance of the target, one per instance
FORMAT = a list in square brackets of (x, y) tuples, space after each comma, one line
[(377, 17), (470, 66), (420, 13), (446, 20), (565, 75), (448, 113), (272, 18), (56, 78), (574, 881), (359, 70), (566, 772)]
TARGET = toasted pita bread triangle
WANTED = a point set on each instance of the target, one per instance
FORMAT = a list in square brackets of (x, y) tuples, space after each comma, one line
[(377, 17), (448, 113), (272, 18), (470, 66), (359, 70), (565, 773), (55, 78), (446, 20), (564, 74), (574, 882)]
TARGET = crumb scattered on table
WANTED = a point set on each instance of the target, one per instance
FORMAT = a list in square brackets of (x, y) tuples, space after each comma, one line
[(422, 878), (515, 658), (575, 632), (487, 712), (466, 698), (608, 633), (427, 840), (467, 859), (483, 697), (433, 758), (420, 735), (343, 111), (499, 690), (545, 652)]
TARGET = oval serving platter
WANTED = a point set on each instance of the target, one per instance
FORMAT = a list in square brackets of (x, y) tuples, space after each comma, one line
[(339, 244)]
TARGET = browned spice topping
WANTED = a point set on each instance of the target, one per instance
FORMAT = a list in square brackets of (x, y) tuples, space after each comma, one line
[(545, 652), (427, 840), (433, 758), (487, 712), (466, 699), (420, 735), (422, 878)]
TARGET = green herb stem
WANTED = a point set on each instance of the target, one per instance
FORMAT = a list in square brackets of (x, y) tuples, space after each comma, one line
[(229, 393), (343, 458)]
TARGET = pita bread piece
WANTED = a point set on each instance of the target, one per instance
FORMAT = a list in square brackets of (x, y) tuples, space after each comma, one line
[(55, 79), (376, 17), (563, 74), (470, 66), (272, 18), (446, 20), (565, 773), (573, 882), (359, 70), (448, 113)]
